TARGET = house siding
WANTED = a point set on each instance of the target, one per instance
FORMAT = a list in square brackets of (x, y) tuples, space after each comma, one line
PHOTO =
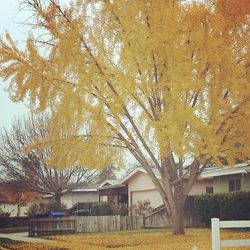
[(200, 186), (246, 183), (85, 197), (67, 199), (70, 199), (221, 182), (152, 195), (13, 208), (140, 187)]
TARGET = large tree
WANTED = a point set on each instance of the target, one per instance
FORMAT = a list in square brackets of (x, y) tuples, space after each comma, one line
[(25, 170), (165, 80)]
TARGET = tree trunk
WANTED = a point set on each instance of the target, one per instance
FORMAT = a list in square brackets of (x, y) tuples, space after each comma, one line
[(176, 220), (18, 210), (176, 215), (58, 201)]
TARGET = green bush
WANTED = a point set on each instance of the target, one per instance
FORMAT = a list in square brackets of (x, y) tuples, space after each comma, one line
[(102, 208), (120, 209), (4, 214), (227, 206), (4, 218), (45, 207)]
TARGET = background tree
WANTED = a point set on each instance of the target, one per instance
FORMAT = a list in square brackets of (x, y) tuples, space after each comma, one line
[(107, 173), (165, 80), (28, 171), (10, 194)]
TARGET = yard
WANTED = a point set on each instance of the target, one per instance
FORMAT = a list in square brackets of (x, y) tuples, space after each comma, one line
[(143, 239)]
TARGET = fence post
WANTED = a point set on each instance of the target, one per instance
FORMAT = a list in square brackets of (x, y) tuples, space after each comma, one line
[(143, 221), (215, 223), (30, 228)]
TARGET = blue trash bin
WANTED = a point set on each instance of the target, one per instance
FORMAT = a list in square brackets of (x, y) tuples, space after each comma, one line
[(57, 214)]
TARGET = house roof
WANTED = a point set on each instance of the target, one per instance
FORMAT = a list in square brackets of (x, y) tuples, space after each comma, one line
[(92, 187), (109, 182), (140, 170), (85, 190), (242, 168), (112, 186), (135, 171)]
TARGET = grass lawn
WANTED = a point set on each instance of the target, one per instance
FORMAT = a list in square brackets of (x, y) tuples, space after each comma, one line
[(142, 239), (7, 243)]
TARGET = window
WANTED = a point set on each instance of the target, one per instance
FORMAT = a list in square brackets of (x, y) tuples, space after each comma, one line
[(234, 185), (209, 190), (104, 198)]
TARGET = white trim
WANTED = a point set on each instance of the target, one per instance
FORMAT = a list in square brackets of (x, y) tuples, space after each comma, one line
[(222, 172), (235, 224), (235, 243), (133, 173), (107, 181), (73, 191), (47, 196), (216, 224), (85, 190)]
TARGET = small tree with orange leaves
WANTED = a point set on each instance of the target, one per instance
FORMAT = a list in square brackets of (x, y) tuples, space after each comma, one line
[(9, 193)]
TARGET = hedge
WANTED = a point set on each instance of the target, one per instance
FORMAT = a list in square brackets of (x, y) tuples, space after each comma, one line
[(226, 206), (7, 222)]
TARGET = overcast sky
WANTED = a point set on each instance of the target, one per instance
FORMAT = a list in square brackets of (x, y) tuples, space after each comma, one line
[(10, 19)]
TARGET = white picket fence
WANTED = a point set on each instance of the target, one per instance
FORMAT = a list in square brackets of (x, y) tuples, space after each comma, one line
[(217, 242)]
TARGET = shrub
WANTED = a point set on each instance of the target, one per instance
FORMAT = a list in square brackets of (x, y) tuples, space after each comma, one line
[(44, 207), (120, 209), (4, 218), (228, 206), (207, 207), (4, 214), (102, 208), (142, 207)]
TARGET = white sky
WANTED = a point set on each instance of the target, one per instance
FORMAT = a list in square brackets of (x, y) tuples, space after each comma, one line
[(9, 19)]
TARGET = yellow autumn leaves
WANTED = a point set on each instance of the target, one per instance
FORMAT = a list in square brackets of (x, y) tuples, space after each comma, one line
[(180, 70), (149, 240)]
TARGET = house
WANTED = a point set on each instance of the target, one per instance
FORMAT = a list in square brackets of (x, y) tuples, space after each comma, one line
[(138, 186), (113, 191), (91, 193), (14, 209), (87, 193), (230, 179), (141, 187)]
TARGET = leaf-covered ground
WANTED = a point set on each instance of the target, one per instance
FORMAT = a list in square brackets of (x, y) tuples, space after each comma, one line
[(132, 240)]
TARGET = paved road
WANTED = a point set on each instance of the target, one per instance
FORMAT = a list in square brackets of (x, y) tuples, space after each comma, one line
[(24, 237)]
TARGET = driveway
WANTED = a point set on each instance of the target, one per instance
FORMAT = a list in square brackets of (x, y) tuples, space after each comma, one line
[(24, 237)]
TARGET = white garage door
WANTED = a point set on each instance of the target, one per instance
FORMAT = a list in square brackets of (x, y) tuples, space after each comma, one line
[(152, 195)]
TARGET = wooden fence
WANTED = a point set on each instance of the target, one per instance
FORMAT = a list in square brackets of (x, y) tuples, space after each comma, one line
[(159, 218), (9, 222), (83, 224), (107, 223), (52, 226), (217, 242)]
